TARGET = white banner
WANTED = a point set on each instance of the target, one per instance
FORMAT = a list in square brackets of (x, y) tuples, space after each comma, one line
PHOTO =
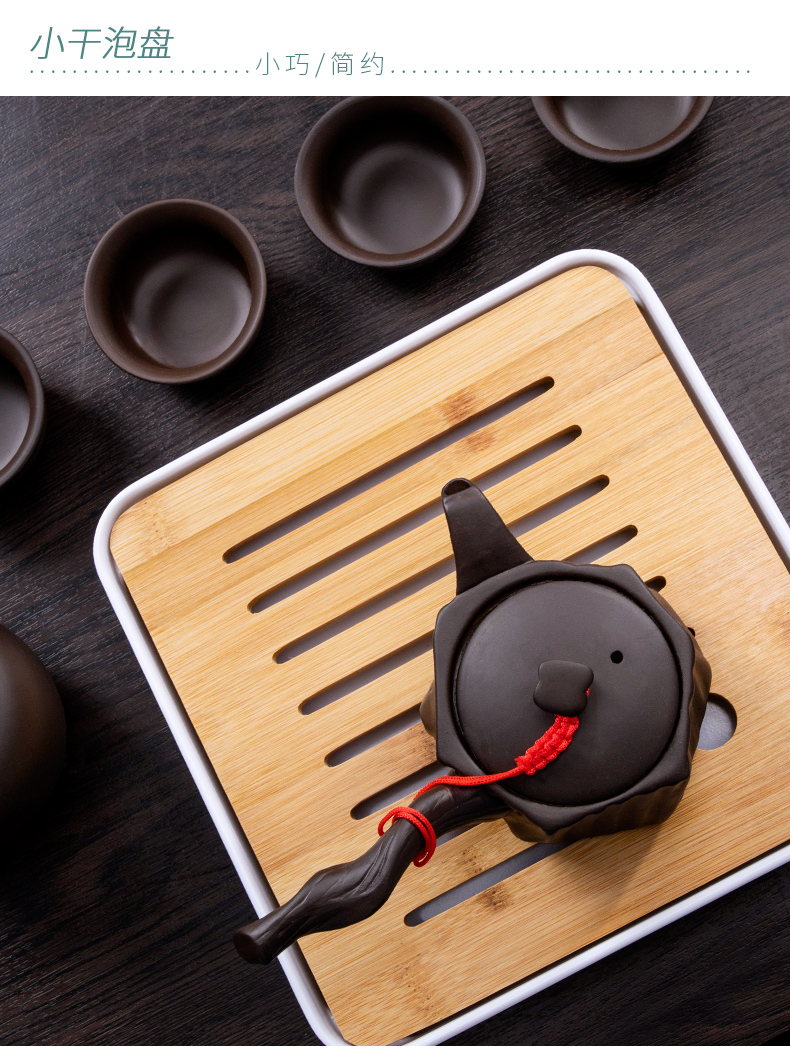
[(406, 47)]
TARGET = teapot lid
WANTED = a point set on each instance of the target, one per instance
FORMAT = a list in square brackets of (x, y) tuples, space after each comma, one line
[(525, 641), (554, 643)]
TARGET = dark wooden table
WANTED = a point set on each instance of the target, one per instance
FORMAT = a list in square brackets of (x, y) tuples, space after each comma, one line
[(116, 909)]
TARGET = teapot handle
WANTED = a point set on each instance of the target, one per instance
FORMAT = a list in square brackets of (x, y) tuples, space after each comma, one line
[(350, 892)]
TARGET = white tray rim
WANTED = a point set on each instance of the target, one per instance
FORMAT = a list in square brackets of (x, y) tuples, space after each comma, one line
[(247, 867)]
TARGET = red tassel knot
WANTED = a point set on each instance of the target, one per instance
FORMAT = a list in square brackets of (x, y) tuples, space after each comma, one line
[(550, 745)]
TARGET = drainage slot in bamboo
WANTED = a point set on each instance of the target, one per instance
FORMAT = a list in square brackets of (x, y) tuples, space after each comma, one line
[(399, 790), (410, 523), (403, 462), (603, 547), (719, 724), (480, 882), (367, 740), (419, 582), (368, 674)]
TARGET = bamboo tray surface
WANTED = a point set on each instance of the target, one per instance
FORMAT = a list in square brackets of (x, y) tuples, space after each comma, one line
[(290, 587)]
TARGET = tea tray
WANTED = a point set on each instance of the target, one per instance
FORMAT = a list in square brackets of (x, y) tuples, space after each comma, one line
[(279, 587)]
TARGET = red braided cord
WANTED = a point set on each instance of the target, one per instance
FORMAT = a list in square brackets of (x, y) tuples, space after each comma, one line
[(546, 749), (423, 825), (550, 745)]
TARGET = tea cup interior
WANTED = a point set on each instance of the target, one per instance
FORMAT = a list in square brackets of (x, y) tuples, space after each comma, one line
[(623, 122), (175, 291), (394, 186), (390, 181), (14, 411), (621, 128), (22, 410), (181, 295)]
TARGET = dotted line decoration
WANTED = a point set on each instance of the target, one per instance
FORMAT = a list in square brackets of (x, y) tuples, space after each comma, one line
[(579, 71), (148, 71), (585, 72)]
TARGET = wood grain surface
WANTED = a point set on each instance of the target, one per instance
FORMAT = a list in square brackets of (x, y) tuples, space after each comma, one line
[(116, 909), (665, 479)]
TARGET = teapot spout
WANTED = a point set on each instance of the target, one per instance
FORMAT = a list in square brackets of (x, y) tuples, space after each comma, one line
[(482, 543)]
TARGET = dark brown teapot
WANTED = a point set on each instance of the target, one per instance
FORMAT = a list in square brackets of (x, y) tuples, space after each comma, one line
[(32, 734), (567, 700)]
